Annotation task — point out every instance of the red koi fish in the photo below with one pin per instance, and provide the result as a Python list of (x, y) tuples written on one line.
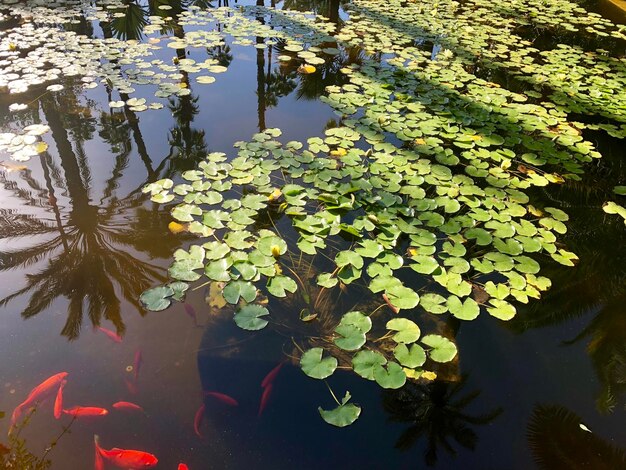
[(111, 334), (137, 362), (58, 403), (182, 466), (127, 406), (228, 400), (271, 376), (133, 459), (197, 420), (191, 312), (265, 398), (42, 391), (86, 411)]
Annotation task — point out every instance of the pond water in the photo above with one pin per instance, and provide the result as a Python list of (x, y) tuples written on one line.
[(530, 383)]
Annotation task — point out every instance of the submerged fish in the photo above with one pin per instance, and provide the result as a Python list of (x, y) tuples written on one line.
[(222, 397), (131, 386), (265, 398), (86, 411), (42, 391), (126, 405), (133, 459), (182, 466), (111, 334), (271, 376), (137, 362), (58, 402), (197, 420), (191, 312)]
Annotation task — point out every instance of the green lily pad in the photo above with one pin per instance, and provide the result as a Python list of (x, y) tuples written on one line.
[(402, 297), (185, 212), (443, 350), (279, 286), (249, 317), (235, 290), (463, 310), (392, 376), (342, 416), (315, 366), (365, 362), (156, 299), (407, 330), (410, 356)]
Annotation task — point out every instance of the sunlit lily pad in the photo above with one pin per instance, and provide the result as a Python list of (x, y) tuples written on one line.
[(250, 316), (315, 366)]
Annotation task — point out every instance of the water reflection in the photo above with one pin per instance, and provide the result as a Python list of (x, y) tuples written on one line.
[(436, 412), (559, 442)]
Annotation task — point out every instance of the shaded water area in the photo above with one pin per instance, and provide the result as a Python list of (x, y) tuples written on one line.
[(80, 242)]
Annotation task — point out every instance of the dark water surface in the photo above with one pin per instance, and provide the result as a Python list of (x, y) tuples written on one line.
[(79, 243)]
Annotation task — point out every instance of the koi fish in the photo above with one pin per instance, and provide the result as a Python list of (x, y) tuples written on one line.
[(265, 398), (58, 403), (182, 466), (86, 411), (197, 420), (137, 362), (131, 386), (133, 459), (42, 391), (111, 334), (269, 378), (126, 405), (230, 401), (191, 312)]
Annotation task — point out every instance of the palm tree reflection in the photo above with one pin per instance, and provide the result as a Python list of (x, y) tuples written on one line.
[(435, 411), (89, 249)]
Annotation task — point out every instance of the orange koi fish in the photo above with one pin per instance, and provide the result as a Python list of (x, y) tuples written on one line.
[(269, 378), (137, 362), (230, 401), (197, 420), (127, 406), (182, 466), (86, 411), (42, 391), (265, 398), (111, 334), (131, 459), (58, 403)]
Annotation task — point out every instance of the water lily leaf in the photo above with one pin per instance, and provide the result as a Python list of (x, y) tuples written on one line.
[(392, 376), (218, 270), (424, 264), (351, 338), (621, 190), (315, 366), (410, 356), (348, 274), (357, 319), (179, 289), (501, 309), (235, 290), (249, 317), (564, 257), (407, 330), (343, 415), (215, 250), (443, 350), (402, 297), (279, 286), (482, 236), (156, 299), (184, 270), (345, 258), (463, 310), (365, 362), (327, 280), (185, 212), (433, 303), (272, 246)]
